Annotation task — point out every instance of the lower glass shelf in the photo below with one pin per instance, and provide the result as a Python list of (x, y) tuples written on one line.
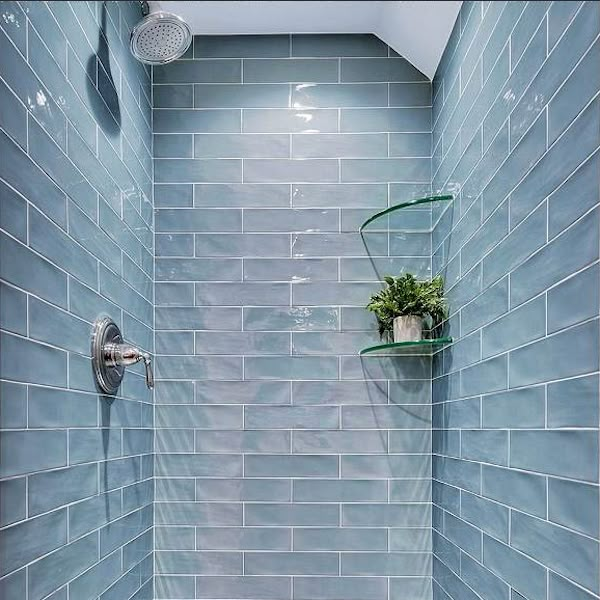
[(426, 347)]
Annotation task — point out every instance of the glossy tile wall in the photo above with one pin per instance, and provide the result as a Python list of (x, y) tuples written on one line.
[(286, 466), (515, 415), (76, 218)]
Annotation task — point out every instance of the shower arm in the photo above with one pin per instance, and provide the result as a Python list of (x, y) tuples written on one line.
[(148, 7)]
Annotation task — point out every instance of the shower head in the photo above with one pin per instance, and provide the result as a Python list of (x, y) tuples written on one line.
[(159, 37)]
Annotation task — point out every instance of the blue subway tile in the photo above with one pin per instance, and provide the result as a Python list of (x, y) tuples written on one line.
[(573, 555), (463, 535), (296, 417), (523, 408), (562, 312), (324, 515), (332, 95), (565, 55), (13, 116), (573, 402), (13, 500), (204, 71), (279, 170), (573, 505), (295, 466), (524, 491), (352, 588), (244, 245), (485, 446), (566, 354), (243, 587), (243, 145), (51, 363), (23, 543), (236, 195), (562, 588), (252, 490), (247, 95), (520, 326), (519, 571), (291, 563), (15, 26), (488, 516), (198, 269), (556, 453), (379, 69), (13, 310), (196, 121), (85, 231), (181, 170), (314, 539), (178, 195), (313, 45), (386, 515), (301, 120), (406, 120), (173, 96), (177, 145), (482, 580), (198, 220), (199, 563), (246, 46), (56, 488), (325, 490), (295, 70), (32, 272), (565, 155)]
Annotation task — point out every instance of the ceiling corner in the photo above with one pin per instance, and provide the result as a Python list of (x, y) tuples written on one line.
[(419, 31)]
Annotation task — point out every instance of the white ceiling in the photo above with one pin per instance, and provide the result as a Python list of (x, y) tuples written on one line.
[(418, 31)]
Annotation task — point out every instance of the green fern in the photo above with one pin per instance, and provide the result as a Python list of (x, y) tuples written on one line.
[(406, 295)]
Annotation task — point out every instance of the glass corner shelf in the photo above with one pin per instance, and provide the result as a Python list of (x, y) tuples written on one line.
[(408, 204), (422, 347)]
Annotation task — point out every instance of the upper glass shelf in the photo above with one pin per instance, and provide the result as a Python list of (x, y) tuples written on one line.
[(404, 205), (423, 347)]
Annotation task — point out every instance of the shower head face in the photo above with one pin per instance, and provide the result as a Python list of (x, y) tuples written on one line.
[(159, 38)]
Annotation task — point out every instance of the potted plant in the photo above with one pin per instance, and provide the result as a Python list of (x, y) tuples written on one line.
[(406, 305)]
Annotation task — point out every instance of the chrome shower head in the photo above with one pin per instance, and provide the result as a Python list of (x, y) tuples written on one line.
[(160, 37)]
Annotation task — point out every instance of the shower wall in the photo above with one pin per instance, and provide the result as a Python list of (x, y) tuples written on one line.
[(285, 464), (76, 241), (515, 415)]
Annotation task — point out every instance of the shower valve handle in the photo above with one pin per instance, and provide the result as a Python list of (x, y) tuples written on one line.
[(111, 354), (123, 355)]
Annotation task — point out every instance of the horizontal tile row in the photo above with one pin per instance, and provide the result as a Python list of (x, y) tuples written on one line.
[(406, 416), (286, 95), (254, 170), (347, 195), (298, 146), (281, 514), (189, 562), (280, 538), (292, 120), (282, 587), (290, 368), (287, 45), (274, 70), (299, 393), (189, 489)]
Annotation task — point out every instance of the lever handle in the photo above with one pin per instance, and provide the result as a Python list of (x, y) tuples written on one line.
[(124, 355), (149, 374)]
